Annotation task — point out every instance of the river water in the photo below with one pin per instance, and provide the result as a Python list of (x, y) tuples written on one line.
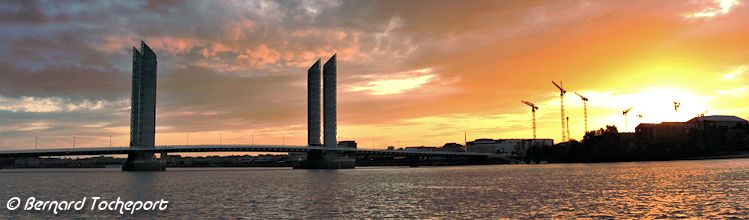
[(675, 189)]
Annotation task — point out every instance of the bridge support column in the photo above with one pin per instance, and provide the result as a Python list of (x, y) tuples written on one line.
[(325, 160), (164, 159), (142, 161)]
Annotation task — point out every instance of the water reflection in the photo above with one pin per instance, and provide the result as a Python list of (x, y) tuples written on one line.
[(702, 189)]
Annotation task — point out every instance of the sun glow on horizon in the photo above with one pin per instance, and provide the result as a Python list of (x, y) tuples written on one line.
[(653, 105)]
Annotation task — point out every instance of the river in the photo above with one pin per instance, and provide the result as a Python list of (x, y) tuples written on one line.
[(673, 189)]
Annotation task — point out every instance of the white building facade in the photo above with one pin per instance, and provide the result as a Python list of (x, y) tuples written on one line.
[(511, 148)]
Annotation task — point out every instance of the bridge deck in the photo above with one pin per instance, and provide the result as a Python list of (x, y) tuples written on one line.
[(221, 148)]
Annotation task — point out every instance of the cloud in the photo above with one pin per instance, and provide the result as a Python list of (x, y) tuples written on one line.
[(240, 66), (260, 56), (722, 7), (737, 72), (399, 83), (20, 11), (42, 105), (739, 91)]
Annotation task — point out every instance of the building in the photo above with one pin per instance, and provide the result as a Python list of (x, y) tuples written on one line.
[(420, 148), (347, 144), (514, 148), (453, 147), (449, 147), (716, 121), (664, 131), (674, 131)]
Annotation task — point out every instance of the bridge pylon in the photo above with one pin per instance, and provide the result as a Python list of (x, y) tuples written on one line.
[(143, 111), (323, 159)]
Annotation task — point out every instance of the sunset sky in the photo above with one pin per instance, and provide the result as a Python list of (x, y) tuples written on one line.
[(409, 72)]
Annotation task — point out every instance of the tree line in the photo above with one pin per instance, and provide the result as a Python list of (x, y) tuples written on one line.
[(608, 145)]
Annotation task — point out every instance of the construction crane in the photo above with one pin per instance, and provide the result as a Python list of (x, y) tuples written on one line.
[(568, 128), (626, 122), (533, 111), (561, 104), (639, 117), (585, 109)]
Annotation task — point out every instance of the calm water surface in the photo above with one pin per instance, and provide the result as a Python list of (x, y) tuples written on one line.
[(709, 189)]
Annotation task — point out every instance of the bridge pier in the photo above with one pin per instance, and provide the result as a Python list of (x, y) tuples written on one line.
[(142, 161), (325, 160)]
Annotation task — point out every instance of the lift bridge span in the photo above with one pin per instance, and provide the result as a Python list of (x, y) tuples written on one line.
[(323, 154), (225, 148)]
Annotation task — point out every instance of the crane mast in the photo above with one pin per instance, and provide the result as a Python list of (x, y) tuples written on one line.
[(533, 112), (626, 122), (561, 105), (585, 109), (568, 128)]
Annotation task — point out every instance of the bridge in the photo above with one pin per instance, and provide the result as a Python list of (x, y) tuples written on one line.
[(223, 148), (325, 154)]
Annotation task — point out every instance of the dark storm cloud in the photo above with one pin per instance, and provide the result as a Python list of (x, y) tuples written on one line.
[(20, 11), (60, 67)]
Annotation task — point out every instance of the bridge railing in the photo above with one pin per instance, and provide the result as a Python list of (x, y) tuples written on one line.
[(224, 148)]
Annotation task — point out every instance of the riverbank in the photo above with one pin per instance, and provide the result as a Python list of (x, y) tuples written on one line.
[(722, 155)]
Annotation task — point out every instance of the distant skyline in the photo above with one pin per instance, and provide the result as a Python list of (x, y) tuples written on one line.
[(409, 72)]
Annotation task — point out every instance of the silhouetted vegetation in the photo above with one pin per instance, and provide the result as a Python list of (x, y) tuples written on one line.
[(608, 145)]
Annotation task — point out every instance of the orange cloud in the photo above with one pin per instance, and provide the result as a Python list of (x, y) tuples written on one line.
[(260, 56), (174, 45)]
